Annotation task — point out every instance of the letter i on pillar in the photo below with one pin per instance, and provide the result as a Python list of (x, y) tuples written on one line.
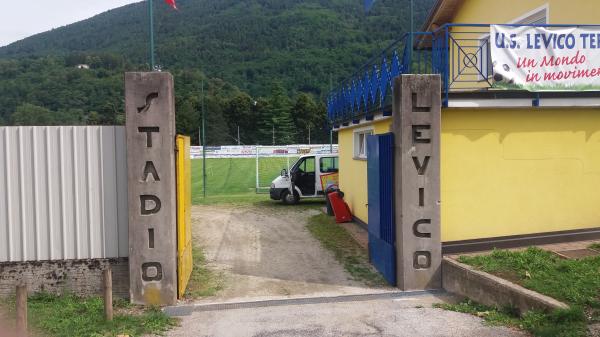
[(150, 131)]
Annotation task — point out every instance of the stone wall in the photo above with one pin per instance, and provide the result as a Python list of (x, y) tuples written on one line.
[(80, 277)]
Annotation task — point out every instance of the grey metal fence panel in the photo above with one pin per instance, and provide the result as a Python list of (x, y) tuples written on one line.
[(63, 193)]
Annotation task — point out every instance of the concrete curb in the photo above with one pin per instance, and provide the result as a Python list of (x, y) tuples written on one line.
[(188, 309), (484, 288)]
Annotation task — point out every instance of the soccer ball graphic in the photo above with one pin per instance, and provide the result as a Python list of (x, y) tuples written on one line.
[(503, 75)]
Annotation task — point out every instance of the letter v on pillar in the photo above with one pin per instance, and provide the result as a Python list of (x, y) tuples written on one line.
[(417, 180), (150, 128)]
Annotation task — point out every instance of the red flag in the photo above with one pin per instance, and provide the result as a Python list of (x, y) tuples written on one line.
[(171, 3)]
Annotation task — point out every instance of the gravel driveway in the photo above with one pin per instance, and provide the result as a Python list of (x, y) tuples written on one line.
[(266, 251)]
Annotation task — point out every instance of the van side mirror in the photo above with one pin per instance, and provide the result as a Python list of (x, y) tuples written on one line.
[(284, 173)]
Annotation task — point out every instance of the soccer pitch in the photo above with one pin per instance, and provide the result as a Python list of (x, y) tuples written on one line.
[(235, 176)]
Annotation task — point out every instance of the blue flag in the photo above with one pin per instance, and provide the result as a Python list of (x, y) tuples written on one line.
[(368, 5)]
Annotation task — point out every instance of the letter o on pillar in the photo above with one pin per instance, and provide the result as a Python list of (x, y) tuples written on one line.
[(152, 271), (422, 260)]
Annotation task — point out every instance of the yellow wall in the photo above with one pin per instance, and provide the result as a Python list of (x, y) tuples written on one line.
[(519, 171), (504, 171), (560, 11), (353, 172)]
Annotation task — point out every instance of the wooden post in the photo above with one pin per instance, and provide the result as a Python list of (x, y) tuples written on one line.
[(108, 302), (21, 303)]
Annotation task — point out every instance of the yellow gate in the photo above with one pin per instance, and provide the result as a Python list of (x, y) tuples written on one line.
[(184, 219)]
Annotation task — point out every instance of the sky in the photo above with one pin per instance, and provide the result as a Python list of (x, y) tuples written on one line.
[(22, 18)]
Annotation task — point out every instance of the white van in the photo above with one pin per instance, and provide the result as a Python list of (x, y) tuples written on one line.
[(308, 178)]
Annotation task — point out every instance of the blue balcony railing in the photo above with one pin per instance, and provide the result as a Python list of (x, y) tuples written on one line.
[(460, 53), (369, 89)]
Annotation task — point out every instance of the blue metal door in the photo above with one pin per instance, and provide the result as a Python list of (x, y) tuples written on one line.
[(382, 233)]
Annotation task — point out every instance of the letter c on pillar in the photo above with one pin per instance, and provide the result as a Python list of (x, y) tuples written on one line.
[(416, 230)]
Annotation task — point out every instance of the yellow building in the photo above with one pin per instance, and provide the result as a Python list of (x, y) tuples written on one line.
[(517, 167)]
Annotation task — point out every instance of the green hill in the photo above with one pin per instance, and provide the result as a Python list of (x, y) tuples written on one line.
[(245, 42), (267, 64)]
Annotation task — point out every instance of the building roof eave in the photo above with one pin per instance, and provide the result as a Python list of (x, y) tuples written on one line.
[(441, 13)]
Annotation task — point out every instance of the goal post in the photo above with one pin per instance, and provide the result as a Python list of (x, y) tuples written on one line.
[(270, 160)]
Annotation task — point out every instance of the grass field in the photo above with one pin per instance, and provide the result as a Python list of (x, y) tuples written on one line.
[(234, 179), (576, 282)]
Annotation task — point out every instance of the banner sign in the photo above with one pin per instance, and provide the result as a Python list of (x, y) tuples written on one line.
[(261, 151), (541, 59)]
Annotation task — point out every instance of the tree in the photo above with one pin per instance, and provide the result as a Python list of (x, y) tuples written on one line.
[(30, 114), (275, 124), (322, 126), (68, 117), (187, 118), (240, 112), (74, 59), (93, 118), (305, 114), (264, 121), (217, 132)]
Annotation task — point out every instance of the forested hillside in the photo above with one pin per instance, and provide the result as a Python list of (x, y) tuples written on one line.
[(50, 91), (283, 54)]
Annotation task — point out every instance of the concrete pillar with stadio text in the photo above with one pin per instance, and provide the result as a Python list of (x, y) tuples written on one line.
[(150, 128)]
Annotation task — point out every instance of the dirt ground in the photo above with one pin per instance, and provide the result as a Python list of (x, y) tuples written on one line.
[(266, 252), (6, 325)]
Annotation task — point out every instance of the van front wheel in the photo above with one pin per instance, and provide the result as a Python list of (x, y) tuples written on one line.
[(289, 198)]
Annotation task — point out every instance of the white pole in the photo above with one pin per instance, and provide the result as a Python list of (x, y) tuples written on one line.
[(238, 135), (257, 181), (273, 134), (331, 141), (309, 135)]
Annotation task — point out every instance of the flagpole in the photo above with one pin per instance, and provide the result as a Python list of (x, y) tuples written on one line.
[(151, 29), (410, 40)]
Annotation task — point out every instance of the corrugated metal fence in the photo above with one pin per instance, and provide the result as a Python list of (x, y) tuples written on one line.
[(63, 193)]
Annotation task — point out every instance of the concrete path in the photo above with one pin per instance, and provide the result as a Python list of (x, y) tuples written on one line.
[(411, 316), (266, 252)]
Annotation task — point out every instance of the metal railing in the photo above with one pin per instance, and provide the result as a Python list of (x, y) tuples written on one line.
[(460, 53), (369, 89)]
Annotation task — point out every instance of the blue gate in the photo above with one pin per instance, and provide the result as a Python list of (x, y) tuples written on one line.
[(382, 233)]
